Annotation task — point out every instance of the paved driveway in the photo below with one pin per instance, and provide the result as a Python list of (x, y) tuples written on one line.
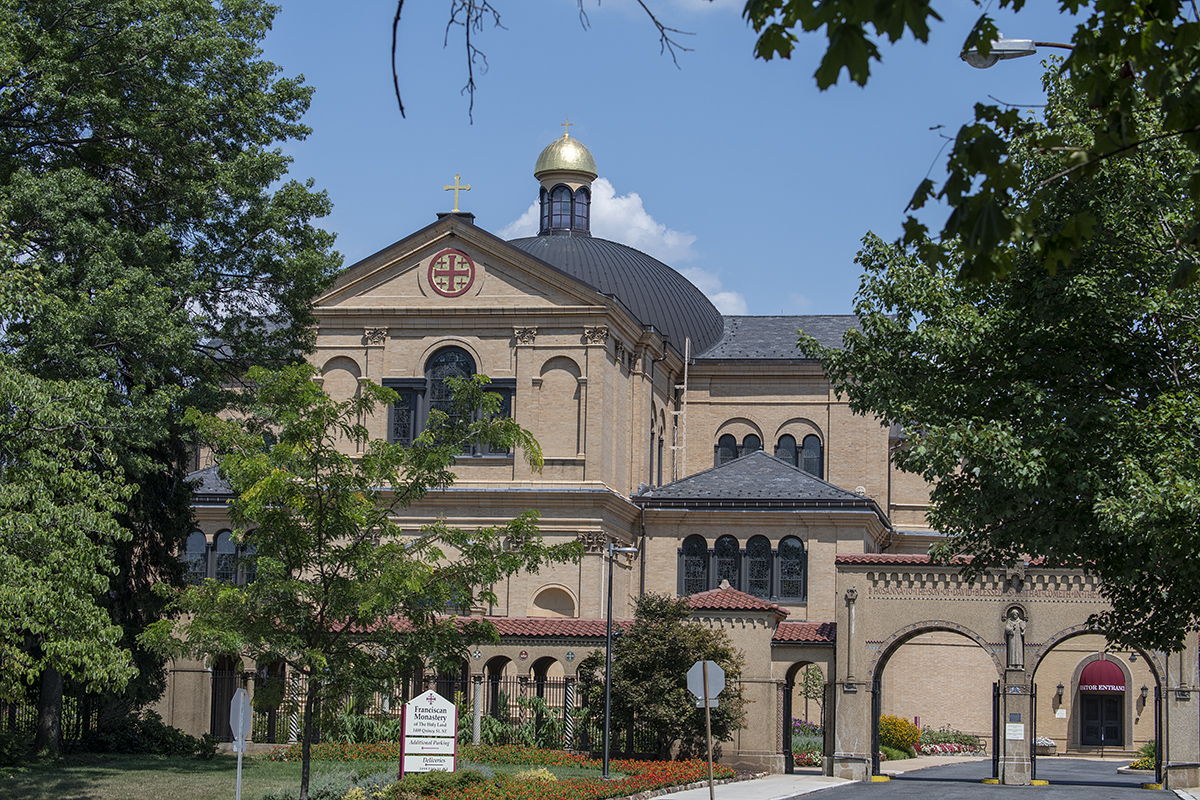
[(1069, 778)]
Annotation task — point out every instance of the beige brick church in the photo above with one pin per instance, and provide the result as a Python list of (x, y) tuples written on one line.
[(706, 442)]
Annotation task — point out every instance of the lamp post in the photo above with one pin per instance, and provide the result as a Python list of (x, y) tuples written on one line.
[(612, 551), (1004, 49)]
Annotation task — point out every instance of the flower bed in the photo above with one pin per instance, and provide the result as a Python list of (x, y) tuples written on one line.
[(642, 776), (945, 749), (812, 758)]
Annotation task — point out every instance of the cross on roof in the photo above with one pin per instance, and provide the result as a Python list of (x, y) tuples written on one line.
[(457, 187), (567, 128)]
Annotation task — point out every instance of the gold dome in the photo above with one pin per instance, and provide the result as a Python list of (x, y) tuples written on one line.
[(565, 154)]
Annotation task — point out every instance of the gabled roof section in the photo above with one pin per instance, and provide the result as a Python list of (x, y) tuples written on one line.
[(726, 598), (775, 337), (208, 484), (757, 480), (805, 633)]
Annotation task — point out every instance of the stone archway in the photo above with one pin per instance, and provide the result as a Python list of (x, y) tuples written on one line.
[(1016, 617)]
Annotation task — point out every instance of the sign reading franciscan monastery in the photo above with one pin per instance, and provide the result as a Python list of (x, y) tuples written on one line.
[(430, 740)]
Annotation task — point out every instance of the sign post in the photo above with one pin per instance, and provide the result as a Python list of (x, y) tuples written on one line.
[(430, 740), (239, 723), (706, 680)]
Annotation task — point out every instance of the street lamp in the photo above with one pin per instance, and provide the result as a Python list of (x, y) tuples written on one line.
[(1004, 49), (608, 651)]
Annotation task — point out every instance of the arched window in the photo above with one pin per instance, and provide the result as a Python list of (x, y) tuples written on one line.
[(792, 569), (728, 557), (452, 362), (248, 564), (418, 396), (560, 208), (196, 557), (758, 567), (813, 464), (694, 575), (751, 443), (579, 220), (226, 566), (726, 449), (544, 199), (785, 450)]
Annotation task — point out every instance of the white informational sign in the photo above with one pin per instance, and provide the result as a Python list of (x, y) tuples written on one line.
[(430, 734), (1014, 731), (1060, 713)]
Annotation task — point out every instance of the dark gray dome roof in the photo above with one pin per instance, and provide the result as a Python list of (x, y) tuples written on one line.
[(653, 292)]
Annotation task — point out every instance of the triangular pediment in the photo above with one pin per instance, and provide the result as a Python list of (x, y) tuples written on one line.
[(455, 265)]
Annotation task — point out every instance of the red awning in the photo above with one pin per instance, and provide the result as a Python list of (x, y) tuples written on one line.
[(1102, 676)]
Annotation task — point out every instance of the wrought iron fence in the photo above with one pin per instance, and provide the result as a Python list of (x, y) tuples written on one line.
[(78, 719)]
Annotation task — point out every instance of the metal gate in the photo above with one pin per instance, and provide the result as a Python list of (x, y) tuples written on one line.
[(1033, 731), (996, 740), (876, 708), (1158, 697), (789, 759)]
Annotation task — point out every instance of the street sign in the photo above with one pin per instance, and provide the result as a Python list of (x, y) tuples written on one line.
[(716, 682), (239, 722), (240, 716)]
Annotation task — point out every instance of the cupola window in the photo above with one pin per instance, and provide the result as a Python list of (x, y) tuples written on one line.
[(564, 210), (579, 216)]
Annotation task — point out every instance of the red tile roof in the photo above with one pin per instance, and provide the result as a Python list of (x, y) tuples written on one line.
[(807, 632), (880, 558), (554, 626), (730, 599)]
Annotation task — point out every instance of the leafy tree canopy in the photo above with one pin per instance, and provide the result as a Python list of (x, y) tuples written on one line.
[(141, 178), (1055, 413), (649, 678), (342, 593)]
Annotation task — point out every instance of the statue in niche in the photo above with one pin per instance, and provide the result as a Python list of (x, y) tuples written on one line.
[(1014, 634)]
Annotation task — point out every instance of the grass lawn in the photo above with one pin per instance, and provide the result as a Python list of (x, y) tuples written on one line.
[(94, 777)]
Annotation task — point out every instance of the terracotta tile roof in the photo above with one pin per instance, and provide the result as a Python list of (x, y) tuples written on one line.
[(880, 558), (806, 632), (554, 626), (729, 599)]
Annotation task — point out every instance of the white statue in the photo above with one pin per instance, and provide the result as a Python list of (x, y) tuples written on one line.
[(1014, 634)]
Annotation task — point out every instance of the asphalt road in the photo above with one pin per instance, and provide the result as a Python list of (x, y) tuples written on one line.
[(1069, 778)]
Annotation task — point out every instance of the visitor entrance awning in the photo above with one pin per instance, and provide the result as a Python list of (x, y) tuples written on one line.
[(1102, 676)]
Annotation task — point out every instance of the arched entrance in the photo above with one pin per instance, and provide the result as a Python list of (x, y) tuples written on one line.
[(1016, 617), (935, 673), (803, 714)]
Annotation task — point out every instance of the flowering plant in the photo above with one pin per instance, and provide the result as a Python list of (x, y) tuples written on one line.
[(1044, 741)]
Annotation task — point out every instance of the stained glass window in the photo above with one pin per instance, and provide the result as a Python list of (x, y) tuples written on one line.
[(751, 443), (813, 463), (758, 566), (786, 449), (695, 565), (196, 557), (226, 557), (727, 560), (403, 423), (792, 569), (726, 449), (449, 363)]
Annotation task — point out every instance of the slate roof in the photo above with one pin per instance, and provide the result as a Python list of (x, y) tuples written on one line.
[(752, 480), (653, 292), (805, 632), (726, 598), (209, 485), (775, 337)]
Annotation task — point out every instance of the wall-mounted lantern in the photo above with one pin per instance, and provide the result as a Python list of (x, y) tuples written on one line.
[(1145, 693), (1060, 692)]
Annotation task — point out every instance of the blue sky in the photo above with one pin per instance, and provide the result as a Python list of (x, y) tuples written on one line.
[(737, 172)]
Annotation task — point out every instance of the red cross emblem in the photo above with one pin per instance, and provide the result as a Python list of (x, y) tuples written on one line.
[(451, 273)]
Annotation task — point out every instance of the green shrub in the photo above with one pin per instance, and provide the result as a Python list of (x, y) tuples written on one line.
[(897, 733), (14, 748), (147, 735), (339, 785), (892, 753), (806, 743), (433, 784)]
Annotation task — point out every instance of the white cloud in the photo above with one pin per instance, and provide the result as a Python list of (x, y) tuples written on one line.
[(726, 301), (623, 218)]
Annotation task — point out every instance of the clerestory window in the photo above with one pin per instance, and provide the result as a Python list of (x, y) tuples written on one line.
[(773, 574)]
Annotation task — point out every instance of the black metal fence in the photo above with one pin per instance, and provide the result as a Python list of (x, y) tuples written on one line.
[(78, 719), (547, 713)]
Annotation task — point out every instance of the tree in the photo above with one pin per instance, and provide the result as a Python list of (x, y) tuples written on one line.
[(649, 678), (1055, 413), (140, 176), (812, 687), (341, 592)]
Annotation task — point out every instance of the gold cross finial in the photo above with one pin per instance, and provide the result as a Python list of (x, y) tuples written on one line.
[(567, 128), (457, 187)]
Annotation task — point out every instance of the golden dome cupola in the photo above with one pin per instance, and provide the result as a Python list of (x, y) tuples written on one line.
[(566, 170)]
